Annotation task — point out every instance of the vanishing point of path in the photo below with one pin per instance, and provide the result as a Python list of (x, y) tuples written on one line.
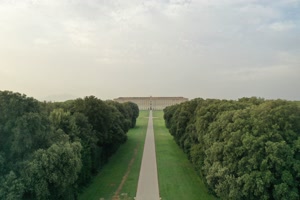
[(148, 182)]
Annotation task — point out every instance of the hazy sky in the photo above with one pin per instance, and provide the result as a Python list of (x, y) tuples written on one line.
[(192, 48)]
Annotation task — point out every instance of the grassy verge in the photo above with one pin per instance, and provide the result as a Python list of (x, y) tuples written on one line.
[(107, 182), (177, 178)]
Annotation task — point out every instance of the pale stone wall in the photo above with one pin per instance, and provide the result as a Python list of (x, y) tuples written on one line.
[(152, 103)]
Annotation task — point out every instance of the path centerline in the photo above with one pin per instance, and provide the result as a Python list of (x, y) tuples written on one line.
[(148, 181)]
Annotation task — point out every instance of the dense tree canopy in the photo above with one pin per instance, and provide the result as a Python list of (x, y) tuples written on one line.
[(245, 149), (51, 150)]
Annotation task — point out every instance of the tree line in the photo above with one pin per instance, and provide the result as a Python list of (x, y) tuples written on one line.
[(52, 150), (244, 149)]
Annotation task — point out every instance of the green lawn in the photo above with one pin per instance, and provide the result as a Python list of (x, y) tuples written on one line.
[(177, 178), (106, 183)]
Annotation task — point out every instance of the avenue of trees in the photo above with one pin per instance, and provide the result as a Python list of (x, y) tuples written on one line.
[(245, 149), (52, 150)]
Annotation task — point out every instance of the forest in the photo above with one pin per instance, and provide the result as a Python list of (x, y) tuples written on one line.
[(52, 150), (242, 149)]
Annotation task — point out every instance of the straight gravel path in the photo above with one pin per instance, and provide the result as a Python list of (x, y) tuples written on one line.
[(148, 181)]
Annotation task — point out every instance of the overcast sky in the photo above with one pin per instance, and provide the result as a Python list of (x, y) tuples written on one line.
[(228, 49)]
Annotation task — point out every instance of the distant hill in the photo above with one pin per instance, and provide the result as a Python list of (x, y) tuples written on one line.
[(59, 97)]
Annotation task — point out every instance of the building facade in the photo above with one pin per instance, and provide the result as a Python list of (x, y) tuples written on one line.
[(152, 103)]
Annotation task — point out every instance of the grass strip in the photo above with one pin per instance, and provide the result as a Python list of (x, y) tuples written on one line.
[(176, 175), (107, 182)]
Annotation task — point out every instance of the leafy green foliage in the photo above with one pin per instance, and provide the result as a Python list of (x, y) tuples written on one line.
[(51, 150), (245, 149), (51, 172), (11, 187)]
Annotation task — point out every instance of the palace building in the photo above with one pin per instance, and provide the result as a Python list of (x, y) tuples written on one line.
[(152, 103)]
